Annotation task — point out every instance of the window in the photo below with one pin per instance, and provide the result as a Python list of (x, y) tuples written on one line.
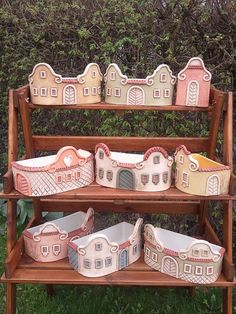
[(154, 257), (98, 263), (117, 92), (68, 177), (101, 154), (108, 91), (166, 93), (43, 74), (86, 91), (94, 91), (187, 268), (35, 91), (165, 177), (156, 93), (100, 173), (185, 179), (56, 249), (112, 76), (195, 252), (98, 246), (87, 264), (155, 178), (43, 92), (205, 253), (144, 178), (99, 90), (147, 251), (156, 159), (198, 270), (59, 179), (109, 175), (163, 78), (93, 74), (181, 159), (108, 261), (135, 249), (53, 92), (45, 250), (209, 270)]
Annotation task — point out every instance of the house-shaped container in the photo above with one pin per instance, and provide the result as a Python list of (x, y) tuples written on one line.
[(199, 175), (48, 242), (50, 88), (106, 251), (193, 86), (143, 172), (182, 256), (67, 170), (154, 90)]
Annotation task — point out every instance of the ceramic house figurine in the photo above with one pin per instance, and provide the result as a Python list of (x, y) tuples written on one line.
[(198, 175), (106, 251), (193, 86), (48, 242), (181, 256), (49, 88), (148, 172), (67, 170), (154, 90)]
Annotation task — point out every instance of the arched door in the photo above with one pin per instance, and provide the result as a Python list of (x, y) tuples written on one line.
[(22, 184), (125, 179), (69, 95), (213, 185), (135, 96), (169, 266), (123, 259), (192, 94)]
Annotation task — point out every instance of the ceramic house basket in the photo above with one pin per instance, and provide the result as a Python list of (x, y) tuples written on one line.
[(199, 175), (182, 256), (106, 251), (48, 242), (50, 88), (143, 172), (154, 90), (67, 170)]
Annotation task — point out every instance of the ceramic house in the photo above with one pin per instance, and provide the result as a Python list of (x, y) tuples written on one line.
[(67, 170), (199, 175), (182, 256), (106, 251), (154, 90), (193, 86), (143, 172), (48, 242), (50, 88)]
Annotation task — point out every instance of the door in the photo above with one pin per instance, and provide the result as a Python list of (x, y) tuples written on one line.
[(192, 94), (125, 179), (213, 185), (69, 95), (22, 184), (135, 96), (123, 259), (169, 266)]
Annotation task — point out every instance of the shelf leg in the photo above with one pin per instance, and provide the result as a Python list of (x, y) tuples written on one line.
[(50, 290), (202, 217), (11, 298), (228, 300)]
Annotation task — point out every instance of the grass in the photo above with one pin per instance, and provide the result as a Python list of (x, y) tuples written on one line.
[(33, 299)]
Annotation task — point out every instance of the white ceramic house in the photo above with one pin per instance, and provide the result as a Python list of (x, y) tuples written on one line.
[(67, 170), (182, 256), (143, 172), (48, 242), (199, 175), (50, 88), (154, 90), (106, 251), (193, 86)]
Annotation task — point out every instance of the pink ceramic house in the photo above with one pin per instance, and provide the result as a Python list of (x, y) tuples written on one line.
[(48, 242), (193, 86)]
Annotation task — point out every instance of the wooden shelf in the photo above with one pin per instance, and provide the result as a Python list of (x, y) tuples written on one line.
[(60, 272)]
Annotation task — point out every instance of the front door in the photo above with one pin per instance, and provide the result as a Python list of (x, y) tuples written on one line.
[(192, 94), (125, 179), (69, 95), (135, 96), (169, 266), (22, 184), (213, 185), (123, 259)]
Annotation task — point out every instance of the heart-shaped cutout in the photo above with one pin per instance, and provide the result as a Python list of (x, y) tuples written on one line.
[(68, 160)]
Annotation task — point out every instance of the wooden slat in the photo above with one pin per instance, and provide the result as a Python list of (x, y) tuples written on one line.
[(210, 234), (12, 129), (11, 225), (128, 144), (228, 228), (11, 298), (8, 181), (228, 132), (228, 268), (228, 300)]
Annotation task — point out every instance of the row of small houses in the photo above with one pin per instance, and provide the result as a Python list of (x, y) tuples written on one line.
[(193, 88)]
